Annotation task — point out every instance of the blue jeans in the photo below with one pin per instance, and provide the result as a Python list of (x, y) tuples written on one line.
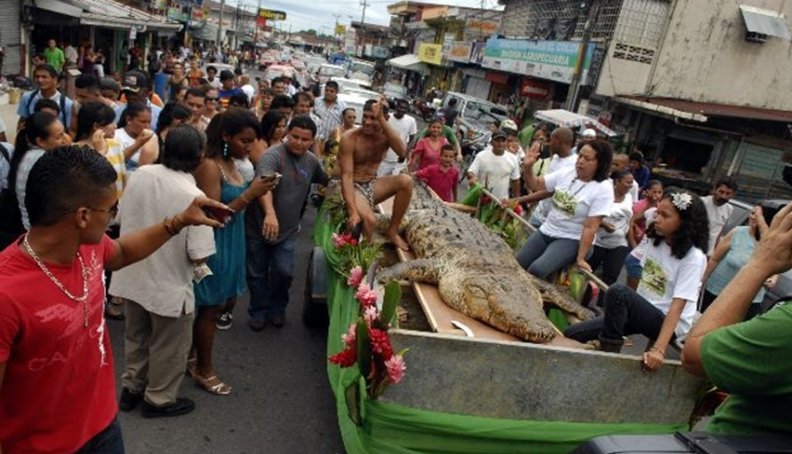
[(270, 271), (626, 313), (543, 255), (108, 441)]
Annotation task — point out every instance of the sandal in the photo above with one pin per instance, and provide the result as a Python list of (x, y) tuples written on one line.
[(192, 364), (213, 385)]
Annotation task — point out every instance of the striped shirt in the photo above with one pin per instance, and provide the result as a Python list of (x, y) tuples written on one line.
[(329, 117)]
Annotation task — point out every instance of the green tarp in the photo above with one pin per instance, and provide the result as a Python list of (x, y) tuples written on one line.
[(394, 429)]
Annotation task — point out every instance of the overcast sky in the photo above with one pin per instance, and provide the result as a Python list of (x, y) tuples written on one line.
[(316, 14)]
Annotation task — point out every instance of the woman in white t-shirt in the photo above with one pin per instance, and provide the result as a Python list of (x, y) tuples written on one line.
[(663, 308), (581, 200), (610, 246), (140, 144)]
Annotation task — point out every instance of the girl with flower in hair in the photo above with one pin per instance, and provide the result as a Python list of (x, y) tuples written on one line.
[(663, 307)]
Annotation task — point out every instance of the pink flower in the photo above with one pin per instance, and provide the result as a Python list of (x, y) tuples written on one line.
[(355, 277), (370, 314), (366, 296), (396, 368), (345, 239), (350, 337)]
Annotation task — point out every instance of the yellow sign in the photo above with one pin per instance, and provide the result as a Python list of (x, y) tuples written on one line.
[(340, 30), (269, 14), (430, 53)]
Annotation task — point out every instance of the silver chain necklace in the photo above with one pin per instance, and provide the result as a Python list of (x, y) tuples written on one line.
[(79, 299)]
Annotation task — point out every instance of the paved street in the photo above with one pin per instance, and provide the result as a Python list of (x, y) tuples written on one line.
[(281, 401)]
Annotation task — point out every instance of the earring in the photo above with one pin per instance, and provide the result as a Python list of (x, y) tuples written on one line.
[(225, 149)]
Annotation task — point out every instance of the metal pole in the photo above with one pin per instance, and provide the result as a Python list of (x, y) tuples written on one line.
[(220, 24), (592, 10)]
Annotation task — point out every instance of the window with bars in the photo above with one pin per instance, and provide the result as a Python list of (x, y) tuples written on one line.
[(558, 19), (633, 53)]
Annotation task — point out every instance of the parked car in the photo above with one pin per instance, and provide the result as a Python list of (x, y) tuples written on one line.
[(327, 71), (275, 71), (267, 59), (361, 70), (394, 92), (476, 114), (356, 101)]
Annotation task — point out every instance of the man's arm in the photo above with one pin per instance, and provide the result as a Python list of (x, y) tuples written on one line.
[(346, 163), (395, 141), (717, 255), (138, 245), (533, 182)]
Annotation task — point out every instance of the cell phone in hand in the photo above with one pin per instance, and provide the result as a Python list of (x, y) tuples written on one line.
[(223, 215), (271, 175)]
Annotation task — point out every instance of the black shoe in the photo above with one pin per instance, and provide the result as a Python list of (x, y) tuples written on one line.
[(317, 200), (256, 324), (182, 406), (278, 321), (129, 400)]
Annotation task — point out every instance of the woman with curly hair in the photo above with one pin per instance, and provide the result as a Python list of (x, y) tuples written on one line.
[(663, 307)]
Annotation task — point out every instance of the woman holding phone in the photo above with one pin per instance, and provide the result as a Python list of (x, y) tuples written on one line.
[(230, 135)]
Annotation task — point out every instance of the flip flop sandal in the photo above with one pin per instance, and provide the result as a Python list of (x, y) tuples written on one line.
[(213, 385)]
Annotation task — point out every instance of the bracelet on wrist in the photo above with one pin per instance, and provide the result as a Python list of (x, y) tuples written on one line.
[(244, 199), (658, 350), (170, 225)]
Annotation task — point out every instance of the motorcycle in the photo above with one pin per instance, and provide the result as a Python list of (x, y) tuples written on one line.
[(424, 110)]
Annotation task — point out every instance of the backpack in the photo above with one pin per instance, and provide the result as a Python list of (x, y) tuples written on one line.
[(62, 106), (10, 214)]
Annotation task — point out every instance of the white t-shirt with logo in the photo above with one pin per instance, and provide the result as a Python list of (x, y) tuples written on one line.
[(406, 127), (574, 201), (718, 216), (556, 163), (496, 172), (619, 218), (666, 277)]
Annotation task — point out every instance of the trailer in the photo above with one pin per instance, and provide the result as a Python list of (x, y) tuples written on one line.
[(472, 389)]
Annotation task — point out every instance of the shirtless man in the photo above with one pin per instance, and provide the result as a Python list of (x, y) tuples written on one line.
[(362, 151)]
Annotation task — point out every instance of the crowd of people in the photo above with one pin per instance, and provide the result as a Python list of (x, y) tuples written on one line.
[(119, 204)]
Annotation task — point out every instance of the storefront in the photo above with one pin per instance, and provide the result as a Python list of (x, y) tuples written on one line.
[(11, 61)]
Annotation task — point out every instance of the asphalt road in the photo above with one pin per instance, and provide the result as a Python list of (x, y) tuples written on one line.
[(281, 401)]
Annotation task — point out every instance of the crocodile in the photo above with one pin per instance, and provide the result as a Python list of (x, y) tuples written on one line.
[(475, 271)]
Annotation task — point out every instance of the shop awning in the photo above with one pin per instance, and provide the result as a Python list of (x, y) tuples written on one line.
[(701, 111), (57, 6), (409, 62), (765, 22), (113, 14), (569, 119), (207, 33)]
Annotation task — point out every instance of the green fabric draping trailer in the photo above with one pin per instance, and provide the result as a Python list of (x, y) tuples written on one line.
[(462, 395)]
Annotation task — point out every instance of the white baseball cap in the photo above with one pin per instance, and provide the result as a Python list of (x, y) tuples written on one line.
[(589, 133)]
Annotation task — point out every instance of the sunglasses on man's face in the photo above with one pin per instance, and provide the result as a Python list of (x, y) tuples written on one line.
[(208, 99)]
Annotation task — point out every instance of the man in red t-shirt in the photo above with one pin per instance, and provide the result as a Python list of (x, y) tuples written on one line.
[(442, 177), (57, 391)]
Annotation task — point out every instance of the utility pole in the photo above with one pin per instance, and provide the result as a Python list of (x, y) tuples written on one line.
[(220, 25), (591, 11)]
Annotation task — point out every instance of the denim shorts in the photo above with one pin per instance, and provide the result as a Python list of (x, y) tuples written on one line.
[(633, 267)]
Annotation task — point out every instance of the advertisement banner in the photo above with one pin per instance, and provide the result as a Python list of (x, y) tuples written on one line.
[(552, 60), (484, 27), (535, 89), (430, 53), (268, 14), (458, 51)]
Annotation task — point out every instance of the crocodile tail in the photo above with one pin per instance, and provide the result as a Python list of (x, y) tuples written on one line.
[(418, 270)]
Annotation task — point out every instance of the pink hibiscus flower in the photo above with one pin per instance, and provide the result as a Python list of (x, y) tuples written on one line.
[(396, 368), (355, 277), (366, 296)]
